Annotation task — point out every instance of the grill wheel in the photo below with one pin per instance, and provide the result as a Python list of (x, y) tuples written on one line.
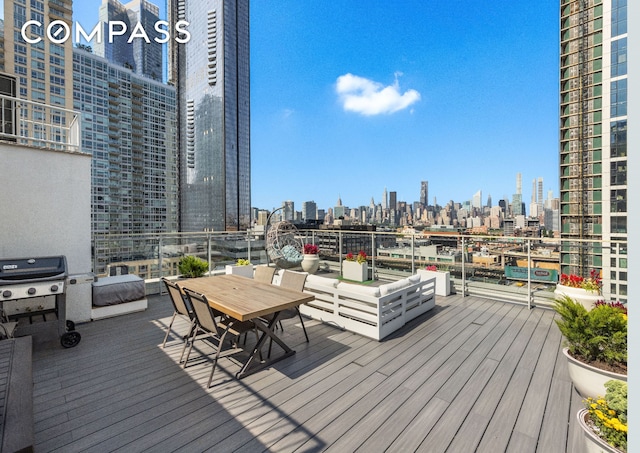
[(70, 339)]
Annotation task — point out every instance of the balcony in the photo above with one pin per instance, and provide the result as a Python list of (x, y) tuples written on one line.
[(39, 126), (471, 375)]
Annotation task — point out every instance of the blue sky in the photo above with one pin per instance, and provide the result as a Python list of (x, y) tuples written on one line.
[(349, 97)]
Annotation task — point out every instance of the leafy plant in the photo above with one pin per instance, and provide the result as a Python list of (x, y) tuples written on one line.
[(599, 335), (310, 249), (608, 415), (191, 266), (360, 258), (593, 283), (242, 262)]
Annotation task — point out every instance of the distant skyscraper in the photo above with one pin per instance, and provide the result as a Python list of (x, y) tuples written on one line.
[(489, 201), (385, 200), (211, 72), (593, 140), (516, 203), (143, 58), (309, 210), (393, 200), (477, 200), (424, 193), (288, 211)]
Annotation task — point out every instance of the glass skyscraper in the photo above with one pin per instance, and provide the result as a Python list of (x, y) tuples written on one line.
[(141, 57), (593, 140), (211, 73)]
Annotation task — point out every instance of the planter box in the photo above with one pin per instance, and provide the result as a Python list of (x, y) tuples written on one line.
[(589, 380), (592, 442), (352, 270), (243, 271), (586, 298), (443, 285)]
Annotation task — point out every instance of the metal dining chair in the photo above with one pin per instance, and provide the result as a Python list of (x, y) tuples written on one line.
[(181, 309), (264, 273), (295, 281), (216, 330)]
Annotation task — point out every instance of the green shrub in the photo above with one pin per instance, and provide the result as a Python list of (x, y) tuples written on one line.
[(599, 335), (192, 266)]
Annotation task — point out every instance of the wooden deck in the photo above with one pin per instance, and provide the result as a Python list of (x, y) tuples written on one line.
[(470, 375)]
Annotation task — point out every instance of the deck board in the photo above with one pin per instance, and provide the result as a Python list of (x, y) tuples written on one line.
[(471, 375)]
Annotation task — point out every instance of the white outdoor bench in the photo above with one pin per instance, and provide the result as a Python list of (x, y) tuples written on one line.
[(374, 312)]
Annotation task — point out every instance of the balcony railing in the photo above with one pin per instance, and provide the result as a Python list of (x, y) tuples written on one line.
[(39, 125), (523, 270)]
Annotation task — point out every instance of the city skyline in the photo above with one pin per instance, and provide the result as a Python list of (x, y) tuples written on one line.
[(363, 98)]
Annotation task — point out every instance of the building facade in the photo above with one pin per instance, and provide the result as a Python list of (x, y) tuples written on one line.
[(129, 126), (211, 73), (43, 69), (143, 58), (593, 140)]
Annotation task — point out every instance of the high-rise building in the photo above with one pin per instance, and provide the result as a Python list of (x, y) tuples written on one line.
[(477, 200), (309, 210), (424, 193), (43, 69), (129, 126), (593, 140), (211, 73), (142, 57)]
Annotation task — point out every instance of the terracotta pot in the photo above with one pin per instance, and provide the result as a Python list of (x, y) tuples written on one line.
[(592, 442), (589, 380), (586, 298)]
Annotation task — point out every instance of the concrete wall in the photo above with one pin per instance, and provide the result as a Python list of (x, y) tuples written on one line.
[(45, 209)]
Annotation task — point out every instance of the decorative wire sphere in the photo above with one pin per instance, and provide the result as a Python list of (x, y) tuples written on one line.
[(284, 246)]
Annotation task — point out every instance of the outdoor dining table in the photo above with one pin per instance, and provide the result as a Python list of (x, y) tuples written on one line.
[(246, 299)]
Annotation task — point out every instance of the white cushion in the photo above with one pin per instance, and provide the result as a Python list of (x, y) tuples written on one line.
[(372, 291), (322, 281), (414, 279), (394, 286)]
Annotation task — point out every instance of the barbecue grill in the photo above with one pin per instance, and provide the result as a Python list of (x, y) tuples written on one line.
[(22, 280)]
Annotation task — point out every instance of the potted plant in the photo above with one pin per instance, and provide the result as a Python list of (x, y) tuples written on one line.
[(583, 290), (604, 420), (310, 261), (242, 267), (191, 266), (355, 267), (443, 286), (596, 343)]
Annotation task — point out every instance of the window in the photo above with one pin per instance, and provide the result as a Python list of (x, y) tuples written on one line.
[(619, 57), (619, 225), (618, 17), (619, 200), (619, 173), (619, 98), (619, 138)]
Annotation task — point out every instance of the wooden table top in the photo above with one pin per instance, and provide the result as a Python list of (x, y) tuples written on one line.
[(244, 298)]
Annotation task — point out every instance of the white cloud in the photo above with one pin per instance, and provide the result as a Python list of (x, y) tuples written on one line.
[(367, 97)]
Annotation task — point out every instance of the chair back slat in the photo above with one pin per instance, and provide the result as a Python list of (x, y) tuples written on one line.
[(264, 274), (202, 311), (293, 280), (176, 298)]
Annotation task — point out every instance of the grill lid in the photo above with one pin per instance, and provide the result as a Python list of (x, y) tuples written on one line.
[(15, 270)]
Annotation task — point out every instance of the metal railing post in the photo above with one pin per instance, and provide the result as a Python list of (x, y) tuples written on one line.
[(340, 251), (413, 253), (209, 251), (373, 255), (529, 295), (464, 275)]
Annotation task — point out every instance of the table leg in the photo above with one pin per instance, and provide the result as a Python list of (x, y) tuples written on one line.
[(267, 332)]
